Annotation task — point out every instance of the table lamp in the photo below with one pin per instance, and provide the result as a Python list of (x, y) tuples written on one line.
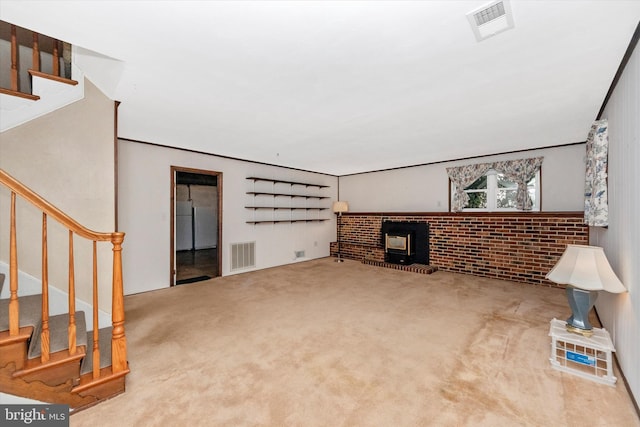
[(585, 271)]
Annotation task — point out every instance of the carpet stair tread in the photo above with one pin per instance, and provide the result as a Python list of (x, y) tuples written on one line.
[(58, 334), (104, 338), (30, 307)]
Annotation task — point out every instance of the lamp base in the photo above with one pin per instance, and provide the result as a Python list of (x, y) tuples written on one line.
[(338, 259), (584, 332), (581, 303)]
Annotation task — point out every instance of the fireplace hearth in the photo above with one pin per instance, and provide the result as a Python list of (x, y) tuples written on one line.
[(405, 242)]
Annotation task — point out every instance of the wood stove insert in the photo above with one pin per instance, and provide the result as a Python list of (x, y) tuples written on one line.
[(405, 242)]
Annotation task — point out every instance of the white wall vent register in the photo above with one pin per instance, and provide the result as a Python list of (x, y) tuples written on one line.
[(243, 255)]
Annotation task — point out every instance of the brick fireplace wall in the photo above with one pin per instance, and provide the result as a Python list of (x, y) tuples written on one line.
[(516, 246)]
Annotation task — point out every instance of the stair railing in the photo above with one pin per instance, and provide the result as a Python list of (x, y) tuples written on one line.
[(35, 62), (118, 339)]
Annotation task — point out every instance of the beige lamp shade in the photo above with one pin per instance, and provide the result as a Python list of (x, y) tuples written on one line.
[(340, 206), (587, 268)]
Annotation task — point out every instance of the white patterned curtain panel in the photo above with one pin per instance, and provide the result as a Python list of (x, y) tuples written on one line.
[(596, 207), (462, 177), (519, 171)]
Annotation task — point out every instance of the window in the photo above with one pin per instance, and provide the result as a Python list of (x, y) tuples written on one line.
[(501, 185), (493, 191)]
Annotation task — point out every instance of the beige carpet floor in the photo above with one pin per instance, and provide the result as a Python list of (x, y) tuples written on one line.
[(320, 343)]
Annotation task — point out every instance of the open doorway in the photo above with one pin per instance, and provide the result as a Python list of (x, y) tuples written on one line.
[(196, 225)]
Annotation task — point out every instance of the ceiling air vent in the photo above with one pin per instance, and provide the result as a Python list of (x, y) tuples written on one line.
[(491, 19)]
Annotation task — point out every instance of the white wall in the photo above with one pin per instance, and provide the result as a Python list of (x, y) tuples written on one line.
[(144, 213), (66, 156), (426, 188), (620, 313)]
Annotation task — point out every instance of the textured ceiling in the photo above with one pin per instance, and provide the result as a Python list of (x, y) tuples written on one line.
[(345, 86)]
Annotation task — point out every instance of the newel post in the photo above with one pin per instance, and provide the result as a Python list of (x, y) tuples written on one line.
[(118, 339)]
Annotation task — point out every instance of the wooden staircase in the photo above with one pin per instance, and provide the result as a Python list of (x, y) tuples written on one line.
[(52, 358)]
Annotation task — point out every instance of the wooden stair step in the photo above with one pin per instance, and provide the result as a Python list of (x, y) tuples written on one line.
[(53, 77), (13, 348), (61, 367), (19, 94), (27, 386), (104, 339), (109, 384), (58, 334), (30, 311)]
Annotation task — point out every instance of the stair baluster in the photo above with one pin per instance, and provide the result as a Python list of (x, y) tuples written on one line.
[(56, 59), (14, 59), (35, 63), (14, 311), (72, 299), (96, 339), (44, 340)]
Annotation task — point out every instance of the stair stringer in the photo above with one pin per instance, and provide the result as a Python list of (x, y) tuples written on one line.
[(15, 111), (61, 393), (60, 381)]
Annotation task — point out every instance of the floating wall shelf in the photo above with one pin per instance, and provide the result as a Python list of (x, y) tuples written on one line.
[(277, 181), (306, 196), (285, 208), (286, 220), (277, 193)]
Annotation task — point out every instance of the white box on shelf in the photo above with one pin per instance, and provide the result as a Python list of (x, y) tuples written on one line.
[(586, 357)]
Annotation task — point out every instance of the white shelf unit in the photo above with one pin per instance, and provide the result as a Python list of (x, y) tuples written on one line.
[(286, 201), (587, 357)]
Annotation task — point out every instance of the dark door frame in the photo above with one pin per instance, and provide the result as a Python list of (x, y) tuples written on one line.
[(218, 175)]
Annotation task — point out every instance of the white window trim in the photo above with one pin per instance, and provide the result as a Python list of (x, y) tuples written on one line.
[(492, 189)]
